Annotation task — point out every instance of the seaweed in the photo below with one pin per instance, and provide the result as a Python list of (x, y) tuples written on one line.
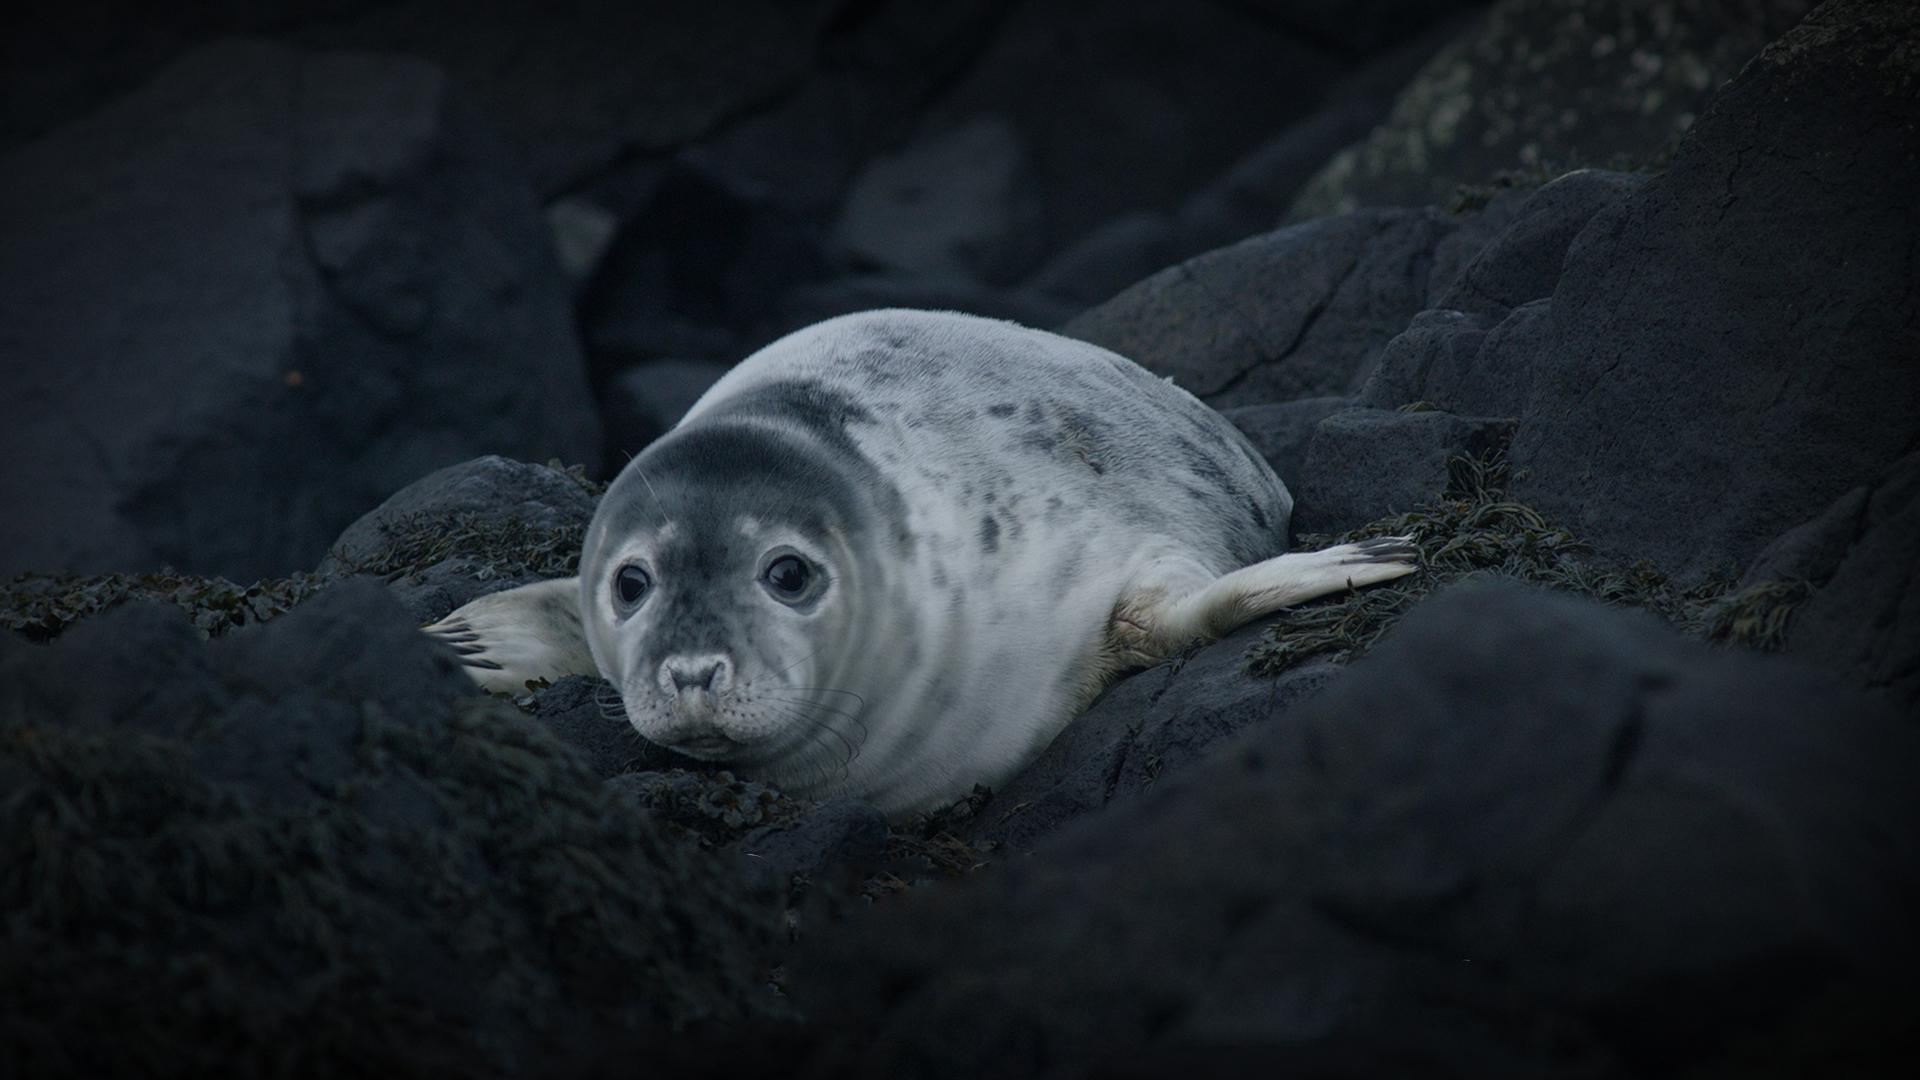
[(1475, 527), (42, 606)]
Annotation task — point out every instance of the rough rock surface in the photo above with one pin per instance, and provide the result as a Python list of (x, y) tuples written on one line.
[(1283, 431), (467, 530), (1863, 622), (310, 845), (1364, 464), (1299, 312), (1157, 721), (963, 202), (1704, 375), (242, 305), (1549, 85), (1526, 832)]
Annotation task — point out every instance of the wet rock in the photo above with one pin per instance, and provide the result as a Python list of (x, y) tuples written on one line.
[(960, 202), (845, 833), (1718, 374), (1254, 195), (1282, 432), (697, 272), (1300, 312), (583, 712), (467, 530), (1542, 86), (1523, 813), (263, 292), (1863, 623), (1123, 107), (1148, 726), (1108, 259), (1364, 464), (329, 849), (642, 403), (864, 292)]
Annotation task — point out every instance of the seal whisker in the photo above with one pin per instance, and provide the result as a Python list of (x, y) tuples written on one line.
[(853, 716)]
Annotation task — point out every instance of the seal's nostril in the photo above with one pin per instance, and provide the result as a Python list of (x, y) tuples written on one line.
[(710, 673)]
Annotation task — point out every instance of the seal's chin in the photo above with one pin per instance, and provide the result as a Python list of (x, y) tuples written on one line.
[(706, 747)]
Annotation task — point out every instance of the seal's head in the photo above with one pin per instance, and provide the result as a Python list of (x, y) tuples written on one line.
[(720, 591)]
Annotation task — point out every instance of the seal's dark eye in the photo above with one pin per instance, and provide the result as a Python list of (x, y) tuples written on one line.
[(630, 583), (787, 576)]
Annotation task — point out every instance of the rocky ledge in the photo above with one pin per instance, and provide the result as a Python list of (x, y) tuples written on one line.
[(1620, 784)]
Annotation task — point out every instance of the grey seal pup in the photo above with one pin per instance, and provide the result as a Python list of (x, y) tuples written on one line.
[(892, 554)]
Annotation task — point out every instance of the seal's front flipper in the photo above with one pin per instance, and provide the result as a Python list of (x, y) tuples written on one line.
[(508, 638), (1160, 620)]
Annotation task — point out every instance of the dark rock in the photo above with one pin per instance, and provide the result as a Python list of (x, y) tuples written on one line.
[(876, 67), (1300, 312), (1718, 373), (1527, 832), (1703, 376), (334, 852), (255, 297), (958, 203), (577, 88), (1523, 262), (1283, 431), (842, 296), (1254, 195), (1364, 464), (839, 833), (413, 539), (642, 403), (1124, 107), (1544, 86), (697, 272), (584, 712), (1355, 27), (1149, 725), (1863, 624), (1108, 259), (1811, 551), (1475, 353)]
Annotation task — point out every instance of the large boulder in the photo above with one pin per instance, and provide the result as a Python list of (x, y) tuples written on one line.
[(244, 304), (1709, 370), (1303, 311), (467, 530), (1548, 85), (310, 848), (1527, 835), (1860, 556), (1124, 107), (1149, 725)]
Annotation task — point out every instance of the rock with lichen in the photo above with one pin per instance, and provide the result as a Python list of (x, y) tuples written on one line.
[(1544, 86)]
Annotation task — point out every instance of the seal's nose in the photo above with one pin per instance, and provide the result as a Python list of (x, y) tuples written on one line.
[(711, 673)]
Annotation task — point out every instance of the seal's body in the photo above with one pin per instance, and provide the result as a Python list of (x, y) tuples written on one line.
[(893, 554)]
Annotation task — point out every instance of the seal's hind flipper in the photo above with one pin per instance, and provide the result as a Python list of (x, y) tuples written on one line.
[(1162, 618), (508, 638)]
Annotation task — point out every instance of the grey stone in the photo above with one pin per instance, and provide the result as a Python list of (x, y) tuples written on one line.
[(1364, 464), (487, 491), (251, 299), (1542, 86), (1152, 724), (1282, 431), (1300, 312), (1521, 813), (1863, 623), (958, 203), (643, 402), (840, 833)]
